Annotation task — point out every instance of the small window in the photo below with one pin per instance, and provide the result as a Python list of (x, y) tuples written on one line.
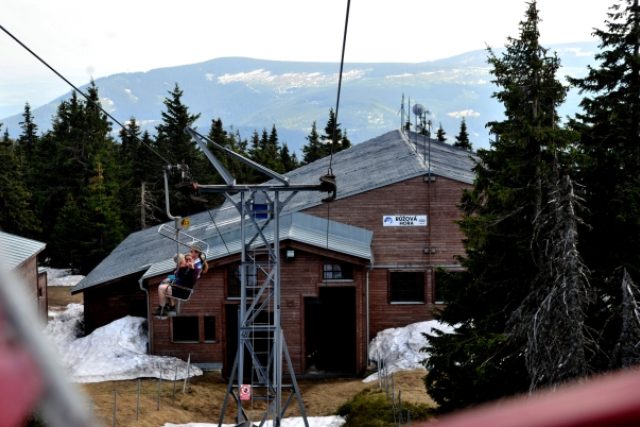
[(444, 284), (337, 271), (254, 274), (209, 328), (233, 281), (406, 286), (186, 329)]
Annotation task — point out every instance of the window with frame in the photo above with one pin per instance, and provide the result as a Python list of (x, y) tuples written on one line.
[(443, 283), (406, 286), (337, 271), (254, 276), (209, 328), (186, 329), (233, 281)]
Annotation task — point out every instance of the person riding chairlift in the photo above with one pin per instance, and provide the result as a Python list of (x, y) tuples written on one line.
[(179, 285)]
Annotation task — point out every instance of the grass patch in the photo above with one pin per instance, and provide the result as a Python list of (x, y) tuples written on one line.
[(373, 408)]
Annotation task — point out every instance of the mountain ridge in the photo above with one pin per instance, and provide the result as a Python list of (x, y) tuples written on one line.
[(250, 94)]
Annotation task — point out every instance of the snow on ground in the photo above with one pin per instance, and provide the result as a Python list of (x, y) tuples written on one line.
[(398, 349), (61, 277), (117, 351)]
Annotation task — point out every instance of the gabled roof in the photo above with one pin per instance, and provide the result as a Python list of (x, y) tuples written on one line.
[(16, 250), (388, 159), (385, 160)]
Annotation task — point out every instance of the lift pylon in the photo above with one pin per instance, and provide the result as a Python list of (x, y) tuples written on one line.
[(257, 372)]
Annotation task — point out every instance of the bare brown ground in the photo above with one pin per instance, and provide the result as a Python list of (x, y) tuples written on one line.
[(59, 296), (202, 399)]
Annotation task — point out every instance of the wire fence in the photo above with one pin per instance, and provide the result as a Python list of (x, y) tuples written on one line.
[(386, 383), (133, 401)]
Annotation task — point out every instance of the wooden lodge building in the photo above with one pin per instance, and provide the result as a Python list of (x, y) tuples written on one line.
[(20, 255), (350, 268)]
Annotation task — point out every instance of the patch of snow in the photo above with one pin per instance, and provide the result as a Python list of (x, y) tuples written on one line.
[(399, 349), (62, 277), (116, 351)]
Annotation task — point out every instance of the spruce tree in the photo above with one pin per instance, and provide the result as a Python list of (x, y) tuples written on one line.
[(610, 169), (231, 141), (66, 241), (289, 160), (176, 146), (173, 143), (264, 151), (273, 151), (333, 138), (626, 351), (29, 136), (78, 142), (102, 203), (441, 135), (313, 150), (332, 141), (484, 359), (45, 184), (462, 138), (139, 181), (16, 212), (551, 320)]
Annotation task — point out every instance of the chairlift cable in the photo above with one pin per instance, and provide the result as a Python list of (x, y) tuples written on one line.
[(335, 126), (78, 90)]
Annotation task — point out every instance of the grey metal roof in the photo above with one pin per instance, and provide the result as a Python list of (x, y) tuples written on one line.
[(299, 227), (150, 253), (385, 160), (15, 249)]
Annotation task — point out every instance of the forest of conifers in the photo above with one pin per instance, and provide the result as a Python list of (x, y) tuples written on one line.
[(81, 190)]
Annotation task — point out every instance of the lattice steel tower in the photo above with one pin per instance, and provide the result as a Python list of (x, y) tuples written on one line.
[(262, 354)]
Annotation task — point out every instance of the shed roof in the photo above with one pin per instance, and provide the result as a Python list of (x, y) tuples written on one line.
[(150, 253), (16, 250), (299, 227), (388, 159)]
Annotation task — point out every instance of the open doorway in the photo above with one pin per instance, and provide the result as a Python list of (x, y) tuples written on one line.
[(330, 331)]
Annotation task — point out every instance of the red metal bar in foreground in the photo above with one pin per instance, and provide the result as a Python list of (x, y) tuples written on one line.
[(611, 400)]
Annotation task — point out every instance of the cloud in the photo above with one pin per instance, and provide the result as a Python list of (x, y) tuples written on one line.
[(463, 113)]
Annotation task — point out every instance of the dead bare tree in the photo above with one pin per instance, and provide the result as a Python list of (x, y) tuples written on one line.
[(551, 319), (627, 349), (147, 206)]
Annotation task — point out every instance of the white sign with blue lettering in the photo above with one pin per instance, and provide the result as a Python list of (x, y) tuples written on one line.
[(404, 220)]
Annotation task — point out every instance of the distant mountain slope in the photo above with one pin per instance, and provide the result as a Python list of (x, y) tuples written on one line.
[(250, 94)]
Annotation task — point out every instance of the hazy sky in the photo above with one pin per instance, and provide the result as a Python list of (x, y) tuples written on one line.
[(86, 38)]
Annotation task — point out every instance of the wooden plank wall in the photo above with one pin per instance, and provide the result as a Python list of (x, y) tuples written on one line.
[(104, 304), (404, 248), (300, 278)]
